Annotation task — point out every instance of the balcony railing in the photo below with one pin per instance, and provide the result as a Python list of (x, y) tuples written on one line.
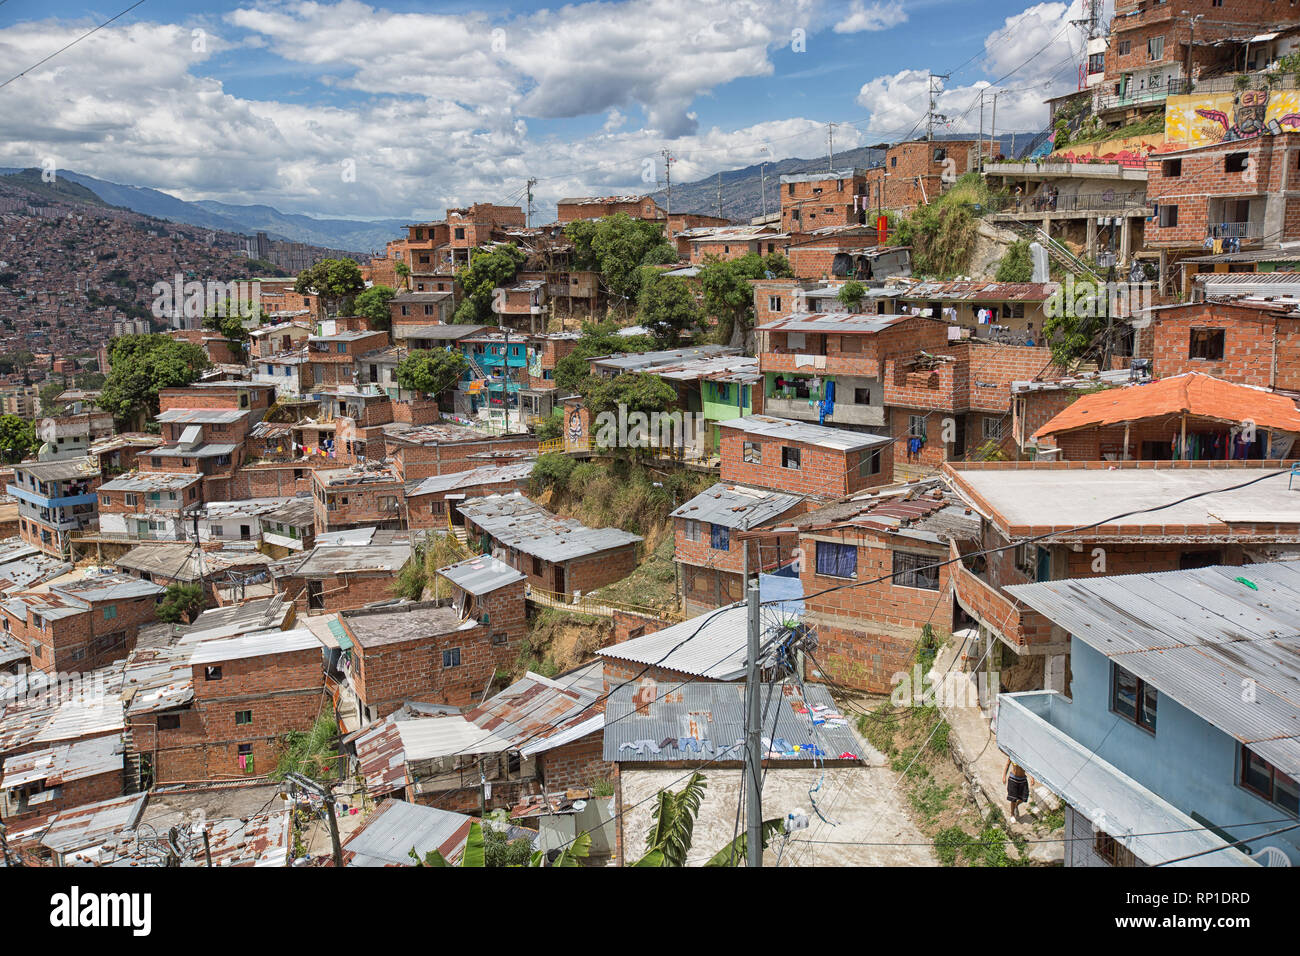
[(1132, 203), (1236, 230), (1110, 101)]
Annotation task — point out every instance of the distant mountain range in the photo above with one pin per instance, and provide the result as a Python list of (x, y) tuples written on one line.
[(345, 234), (742, 189)]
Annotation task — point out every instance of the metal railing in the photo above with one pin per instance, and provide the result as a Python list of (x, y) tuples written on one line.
[(597, 606), (1236, 230), (1088, 203)]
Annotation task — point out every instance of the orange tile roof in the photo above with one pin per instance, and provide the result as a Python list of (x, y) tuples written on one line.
[(1202, 396)]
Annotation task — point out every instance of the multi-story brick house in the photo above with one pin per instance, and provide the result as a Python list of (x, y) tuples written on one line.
[(802, 458), (1047, 501), (954, 402), (1235, 194), (1183, 417), (55, 499), (598, 207), (414, 310), (435, 502), (277, 297), (558, 555), (219, 708), (524, 305), (917, 172), (268, 340), (1250, 343), (811, 201), (1014, 309), (80, 623), (368, 495), (730, 242), (710, 555), (547, 350), (830, 367), (149, 504), (848, 253), (442, 652)]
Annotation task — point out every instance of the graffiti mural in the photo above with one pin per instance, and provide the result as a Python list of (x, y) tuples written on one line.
[(1201, 119)]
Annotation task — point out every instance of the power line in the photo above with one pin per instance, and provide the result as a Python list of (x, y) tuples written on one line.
[(72, 44)]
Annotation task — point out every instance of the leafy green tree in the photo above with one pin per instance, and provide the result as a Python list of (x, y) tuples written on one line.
[(17, 438), (728, 295), (228, 323), (668, 842), (334, 281), (668, 309), (431, 371), (311, 753), (851, 294), (1076, 319), (551, 470), (488, 269), (1016, 264), (373, 305), (141, 365), (181, 602), (403, 274), (617, 246), (598, 338), (50, 393), (89, 380)]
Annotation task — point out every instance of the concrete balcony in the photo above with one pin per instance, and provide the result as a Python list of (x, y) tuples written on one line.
[(844, 414), (1035, 730), (1235, 230)]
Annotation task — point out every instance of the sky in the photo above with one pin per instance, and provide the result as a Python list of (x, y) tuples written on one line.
[(360, 110)]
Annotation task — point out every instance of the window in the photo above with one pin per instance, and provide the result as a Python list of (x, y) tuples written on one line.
[(460, 232), (1125, 46), (1206, 344), (752, 452), (1132, 698), (110, 612), (130, 500), (837, 560), (217, 531), (719, 538), (1097, 63), (37, 649), (169, 721), (500, 637), (451, 657), (692, 530), (869, 464), (243, 717), (1263, 779), (893, 161), (212, 672), (244, 757), (916, 426), (940, 154), (1111, 850), (105, 500), (1235, 162), (1168, 216), (537, 566), (862, 396), (789, 457), (992, 429), (916, 571), (1155, 48)]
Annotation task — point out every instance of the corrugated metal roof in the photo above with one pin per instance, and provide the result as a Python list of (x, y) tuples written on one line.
[(735, 506), (83, 826), (806, 432), (486, 475), (203, 416), (481, 575), (516, 522), (254, 645), (712, 645), (328, 561), (398, 827), (381, 756), (833, 322), (434, 737), (1196, 636), (538, 714), (64, 763), (807, 727)]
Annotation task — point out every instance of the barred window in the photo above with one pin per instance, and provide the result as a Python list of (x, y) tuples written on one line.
[(916, 571)]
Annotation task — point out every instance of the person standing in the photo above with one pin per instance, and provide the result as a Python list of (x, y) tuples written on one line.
[(1017, 781)]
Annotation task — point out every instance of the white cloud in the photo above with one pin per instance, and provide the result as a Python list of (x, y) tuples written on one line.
[(879, 15)]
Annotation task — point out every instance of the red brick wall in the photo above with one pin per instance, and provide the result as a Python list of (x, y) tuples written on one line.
[(1249, 352), (575, 765), (417, 462), (822, 473)]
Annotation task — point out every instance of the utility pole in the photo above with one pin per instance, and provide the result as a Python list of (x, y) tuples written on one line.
[(993, 127), (668, 176), (753, 756), (1191, 39), (298, 780), (830, 147), (528, 221), (719, 194), (933, 101), (505, 380)]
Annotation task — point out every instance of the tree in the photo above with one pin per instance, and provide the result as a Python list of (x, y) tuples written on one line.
[(181, 602), (431, 371), (227, 322), (141, 365), (50, 393), (403, 272), (373, 305), (17, 438), (598, 338), (312, 752), (851, 294), (617, 246), (1076, 318), (728, 295), (480, 852), (667, 308), (488, 269), (334, 281), (1016, 265)]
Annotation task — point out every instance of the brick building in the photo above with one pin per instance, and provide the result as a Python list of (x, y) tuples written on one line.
[(55, 499), (917, 172), (1250, 343), (217, 708), (803, 459), (420, 452), (830, 367), (434, 502), (1047, 500), (336, 577), (709, 552), (811, 201), (598, 207), (149, 504), (368, 495), (80, 622), (43, 782), (558, 555)]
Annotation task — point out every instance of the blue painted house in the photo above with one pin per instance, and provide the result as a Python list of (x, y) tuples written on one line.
[(1177, 740)]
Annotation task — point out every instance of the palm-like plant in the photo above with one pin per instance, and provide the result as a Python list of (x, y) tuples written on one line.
[(669, 839)]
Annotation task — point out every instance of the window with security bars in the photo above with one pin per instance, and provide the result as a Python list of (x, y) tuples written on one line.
[(916, 571)]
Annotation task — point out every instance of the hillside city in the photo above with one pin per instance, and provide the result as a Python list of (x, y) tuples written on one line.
[(942, 513)]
